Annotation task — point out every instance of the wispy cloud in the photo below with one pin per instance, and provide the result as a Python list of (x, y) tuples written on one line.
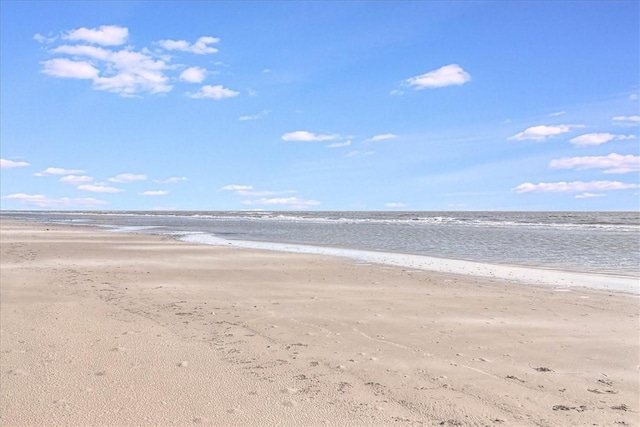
[(42, 201), (128, 177), (573, 187), (338, 144), (248, 190), (627, 120), (290, 202), (588, 195), (213, 92), (153, 193), (75, 179), (613, 163), (98, 188), (360, 153), (448, 75), (171, 180), (306, 136), (254, 116), (59, 171), (395, 205), (557, 113), (202, 46), (382, 137), (591, 139), (542, 132), (8, 164), (235, 187)]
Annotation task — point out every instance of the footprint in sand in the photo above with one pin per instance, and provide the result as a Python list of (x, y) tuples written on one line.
[(289, 403)]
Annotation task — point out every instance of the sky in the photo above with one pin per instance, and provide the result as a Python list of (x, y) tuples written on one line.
[(320, 105)]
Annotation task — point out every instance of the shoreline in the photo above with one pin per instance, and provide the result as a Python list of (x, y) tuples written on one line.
[(515, 273), (106, 328)]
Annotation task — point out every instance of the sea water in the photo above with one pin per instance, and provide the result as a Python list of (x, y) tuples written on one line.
[(593, 242)]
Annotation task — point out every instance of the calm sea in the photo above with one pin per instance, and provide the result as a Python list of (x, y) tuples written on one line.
[(600, 242)]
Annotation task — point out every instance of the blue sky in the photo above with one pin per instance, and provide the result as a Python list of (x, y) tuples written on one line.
[(320, 105)]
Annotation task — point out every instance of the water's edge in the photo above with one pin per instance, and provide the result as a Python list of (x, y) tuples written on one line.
[(516, 274)]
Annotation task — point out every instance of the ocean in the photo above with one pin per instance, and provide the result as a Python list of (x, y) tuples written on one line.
[(588, 242)]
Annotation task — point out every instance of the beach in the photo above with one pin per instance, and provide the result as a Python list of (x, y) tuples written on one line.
[(102, 328)]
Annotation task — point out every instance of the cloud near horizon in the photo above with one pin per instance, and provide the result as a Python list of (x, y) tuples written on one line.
[(291, 202), (571, 187), (42, 201)]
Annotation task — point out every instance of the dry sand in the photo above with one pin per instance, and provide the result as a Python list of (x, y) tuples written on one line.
[(101, 328)]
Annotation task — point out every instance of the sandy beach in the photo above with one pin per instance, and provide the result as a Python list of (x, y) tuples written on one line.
[(101, 328)]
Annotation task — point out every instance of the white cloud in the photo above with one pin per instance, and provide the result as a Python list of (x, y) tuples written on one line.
[(200, 47), (247, 190), (254, 117), (75, 179), (128, 177), (84, 50), (613, 163), (292, 202), (338, 144), (97, 188), (171, 180), (396, 92), (126, 72), (154, 193), (234, 187), (395, 205), (590, 139), (105, 35), (134, 72), (626, 120), (358, 153), (193, 75), (305, 136), (573, 187), (448, 75), (588, 195), (67, 69), (382, 137), (214, 92), (43, 39), (557, 113), (542, 132), (58, 171), (8, 164), (633, 97), (43, 201)]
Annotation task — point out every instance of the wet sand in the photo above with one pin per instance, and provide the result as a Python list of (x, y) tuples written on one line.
[(100, 328)]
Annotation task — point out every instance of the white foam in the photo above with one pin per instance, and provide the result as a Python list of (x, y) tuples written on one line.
[(558, 278)]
